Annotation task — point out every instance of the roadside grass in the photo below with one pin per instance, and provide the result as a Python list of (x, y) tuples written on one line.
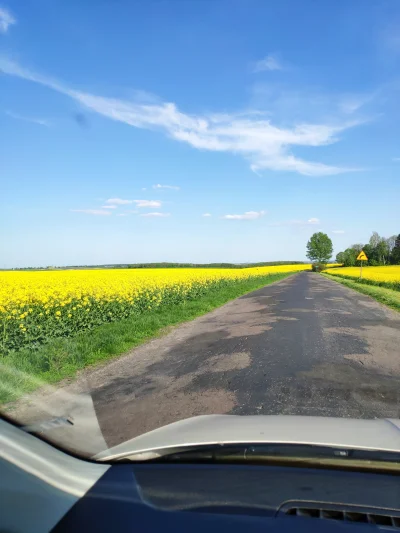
[(389, 297), (25, 370)]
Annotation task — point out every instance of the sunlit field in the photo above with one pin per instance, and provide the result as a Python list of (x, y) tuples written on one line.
[(385, 276), (35, 306)]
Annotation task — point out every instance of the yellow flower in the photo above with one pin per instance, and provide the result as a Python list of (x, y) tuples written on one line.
[(386, 274), (110, 294)]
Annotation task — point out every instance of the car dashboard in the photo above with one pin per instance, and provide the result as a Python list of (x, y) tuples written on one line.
[(45, 489)]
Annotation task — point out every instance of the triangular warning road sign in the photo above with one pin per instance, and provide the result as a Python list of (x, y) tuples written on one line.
[(361, 256)]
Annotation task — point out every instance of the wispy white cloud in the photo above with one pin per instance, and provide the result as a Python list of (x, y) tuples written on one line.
[(109, 207), (270, 62), (249, 215), (155, 214), (122, 214), (6, 20), (296, 222), (263, 144), (118, 201), (307, 104), (99, 212), (158, 186), (147, 203), (338, 231), (351, 103), (114, 202), (207, 215), (35, 120), (395, 158)]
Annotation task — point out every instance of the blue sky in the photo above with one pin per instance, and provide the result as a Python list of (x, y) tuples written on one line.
[(124, 123)]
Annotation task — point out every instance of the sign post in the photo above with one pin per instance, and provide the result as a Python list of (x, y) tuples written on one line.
[(361, 257)]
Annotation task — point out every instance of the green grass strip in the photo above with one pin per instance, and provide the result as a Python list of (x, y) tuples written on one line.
[(25, 370), (389, 297)]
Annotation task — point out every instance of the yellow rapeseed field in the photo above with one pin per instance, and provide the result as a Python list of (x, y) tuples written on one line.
[(38, 305), (380, 275)]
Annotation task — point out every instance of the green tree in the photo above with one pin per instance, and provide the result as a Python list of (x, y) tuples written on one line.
[(350, 256), (395, 255), (383, 252), (340, 257), (319, 247), (357, 247), (375, 239), (379, 249), (391, 242)]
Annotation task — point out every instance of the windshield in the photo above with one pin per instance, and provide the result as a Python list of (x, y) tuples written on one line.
[(200, 207)]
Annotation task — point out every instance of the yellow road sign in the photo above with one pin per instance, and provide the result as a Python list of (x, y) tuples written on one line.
[(361, 256)]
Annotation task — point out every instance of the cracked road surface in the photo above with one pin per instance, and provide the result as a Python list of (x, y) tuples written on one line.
[(304, 346)]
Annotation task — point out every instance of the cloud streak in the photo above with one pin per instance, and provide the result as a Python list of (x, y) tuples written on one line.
[(118, 201), (112, 203), (338, 231), (269, 62), (147, 203), (158, 186), (300, 223), (34, 120), (155, 214), (249, 215), (352, 103), (96, 212), (252, 136), (6, 20)]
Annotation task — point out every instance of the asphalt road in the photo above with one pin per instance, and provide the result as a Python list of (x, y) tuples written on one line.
[(305, 346)]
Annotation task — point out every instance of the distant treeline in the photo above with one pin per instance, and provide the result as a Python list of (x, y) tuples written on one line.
[(169, 265), (213, 265), (379, 250)]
